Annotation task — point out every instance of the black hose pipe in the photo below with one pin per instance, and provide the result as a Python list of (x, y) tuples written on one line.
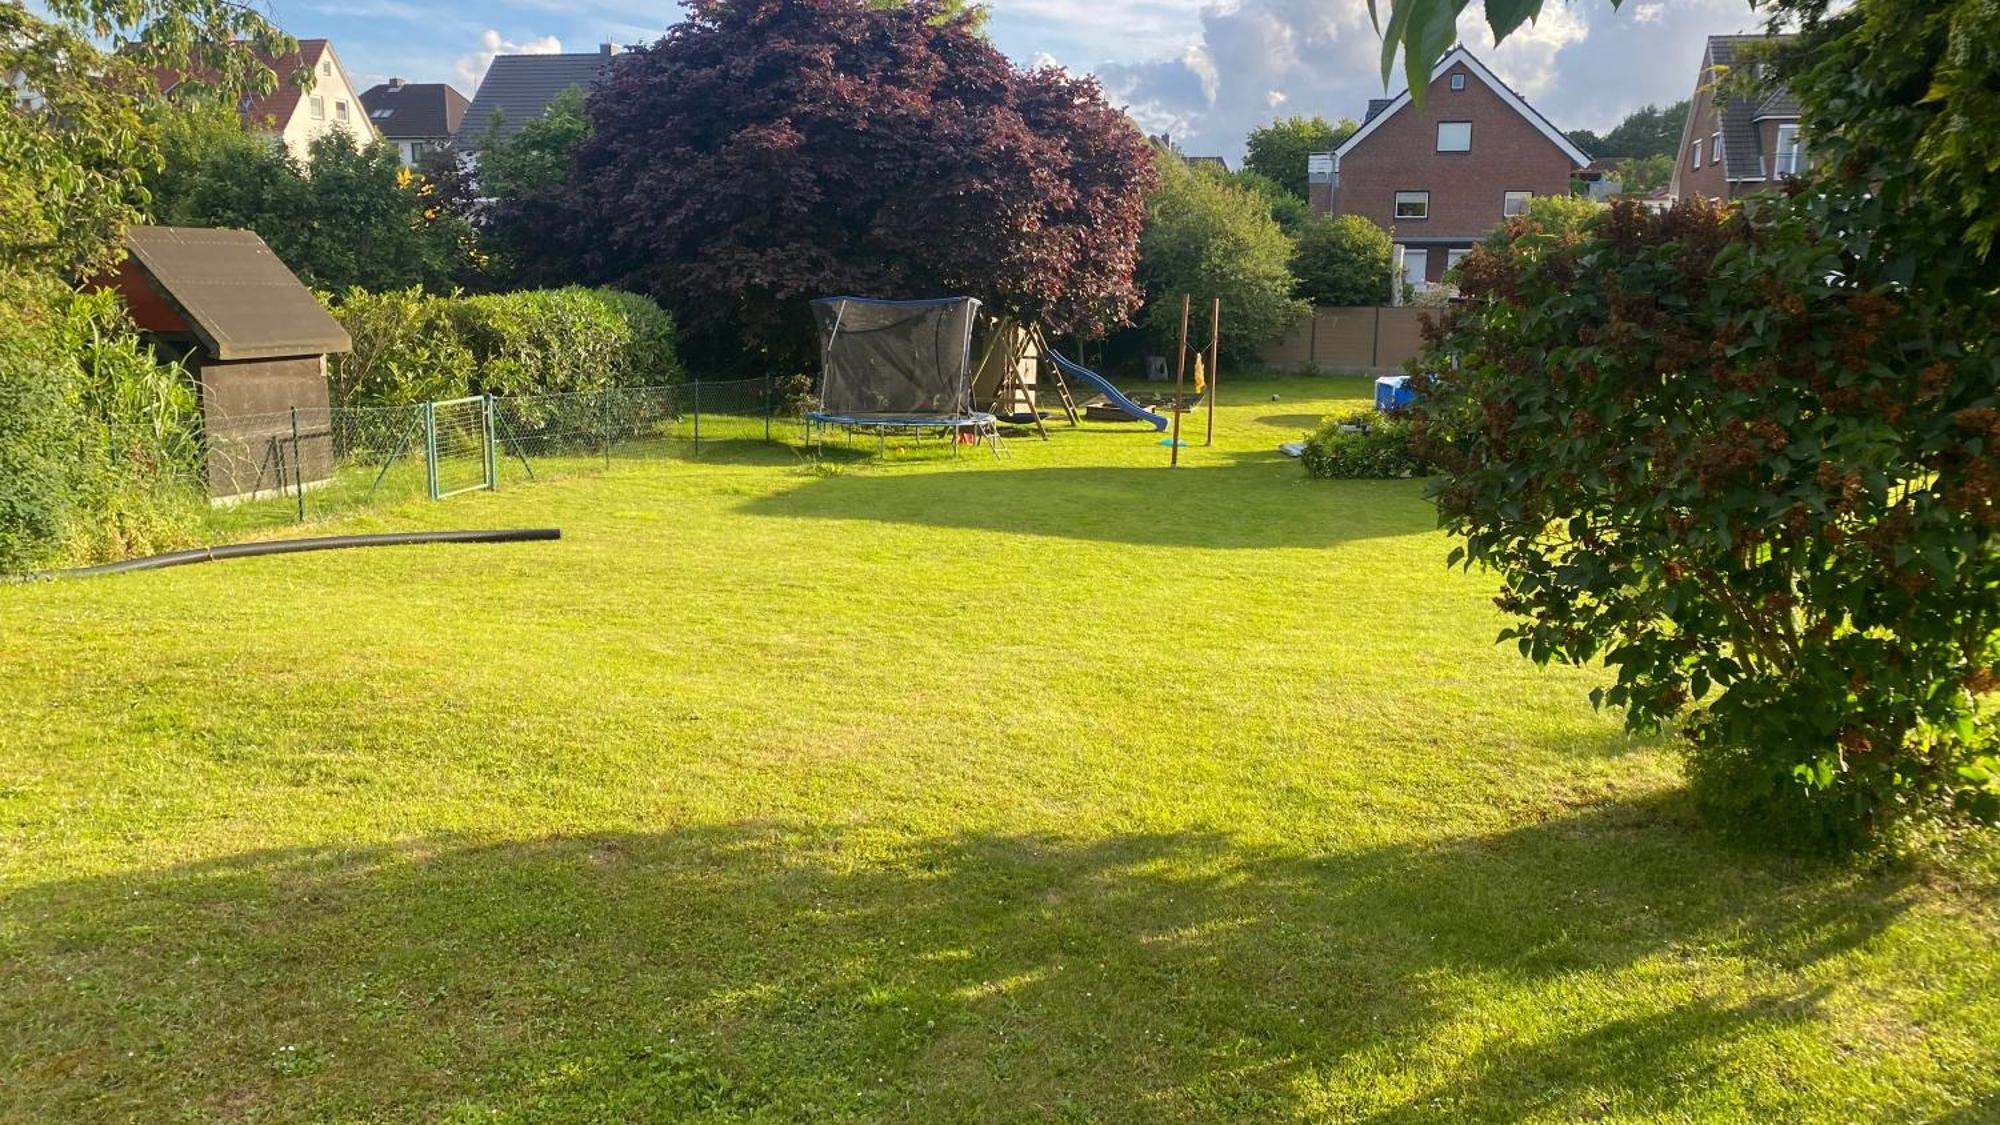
[(295, 546)]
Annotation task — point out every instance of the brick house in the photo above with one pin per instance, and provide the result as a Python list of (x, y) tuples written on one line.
[(1441, 178), (1743, 142)]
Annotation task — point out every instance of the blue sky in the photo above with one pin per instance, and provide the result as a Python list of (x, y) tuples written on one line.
[(1206, 72)]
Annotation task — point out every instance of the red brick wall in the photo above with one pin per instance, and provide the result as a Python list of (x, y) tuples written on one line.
[(1467, 188), (1706, 181)]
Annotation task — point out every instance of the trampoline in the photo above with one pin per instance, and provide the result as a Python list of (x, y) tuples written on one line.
[(898, 367)]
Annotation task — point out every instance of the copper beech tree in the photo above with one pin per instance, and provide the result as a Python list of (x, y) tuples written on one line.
[(768, 151)]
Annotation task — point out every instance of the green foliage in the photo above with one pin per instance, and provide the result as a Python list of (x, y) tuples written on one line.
[(406, 349), (409, 347), (1750, 466), (74, 152), (1343, 261), (1209, 238), (1643, 175), (536, 157), (1364, 445), (1278, 151), (93, 435), (346, 217), (1647, 131), (1289, 211)]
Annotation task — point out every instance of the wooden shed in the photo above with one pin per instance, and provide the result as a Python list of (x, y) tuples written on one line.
[(257, 340)]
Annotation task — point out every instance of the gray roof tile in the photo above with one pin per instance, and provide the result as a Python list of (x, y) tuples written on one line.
[(1742, 145), (520, 87)]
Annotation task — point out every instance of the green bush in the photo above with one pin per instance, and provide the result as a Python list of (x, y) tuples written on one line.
[(97, 446), (1363, 445), (409, 347), (1343, 261), (1210, 239)]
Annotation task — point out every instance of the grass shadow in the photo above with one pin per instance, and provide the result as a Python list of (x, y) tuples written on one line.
[(1252, 501), (796, 971)]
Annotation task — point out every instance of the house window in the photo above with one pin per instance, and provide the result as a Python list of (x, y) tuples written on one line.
[(1413, 205), (1791, 158), (1454, 136), (1715, 148), (1451, 258), (326, 67), (1515, 203), (1697, 153), (380, 114), (318, 108), (340, 111), (1458, 81)]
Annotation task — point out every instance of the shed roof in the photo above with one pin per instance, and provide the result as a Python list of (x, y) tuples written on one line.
[(240, 301)]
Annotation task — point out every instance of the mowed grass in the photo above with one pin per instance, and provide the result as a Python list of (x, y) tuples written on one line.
[(1062, 786)]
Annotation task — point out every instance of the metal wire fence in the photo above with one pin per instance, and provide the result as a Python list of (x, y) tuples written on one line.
[(263, 470)]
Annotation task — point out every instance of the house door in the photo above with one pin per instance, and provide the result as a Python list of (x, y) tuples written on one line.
[(1416, 268)]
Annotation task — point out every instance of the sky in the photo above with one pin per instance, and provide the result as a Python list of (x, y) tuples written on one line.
[(1205, 72)]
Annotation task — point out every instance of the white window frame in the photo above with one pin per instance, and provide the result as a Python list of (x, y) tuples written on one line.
[(340, 111), (1715, 147), (1452, 257), (1458, 81), (1790, 158), (1419, 279), (1697, 152), (1507, 198), (1443, 125), (1419, 198), (326, 67), (318, 106)]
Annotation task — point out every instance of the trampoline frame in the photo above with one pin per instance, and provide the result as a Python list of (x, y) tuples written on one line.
[(985, 425)]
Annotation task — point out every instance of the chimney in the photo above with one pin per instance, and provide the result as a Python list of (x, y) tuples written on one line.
[(395, 83), (608, 49)]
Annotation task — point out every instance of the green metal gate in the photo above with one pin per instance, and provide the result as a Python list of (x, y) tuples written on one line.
[(459, 447)]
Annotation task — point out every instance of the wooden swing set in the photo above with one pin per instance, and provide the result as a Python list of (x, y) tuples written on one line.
[(1023, 342)]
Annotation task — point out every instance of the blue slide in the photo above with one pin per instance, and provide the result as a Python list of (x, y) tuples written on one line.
[(1117, 397)]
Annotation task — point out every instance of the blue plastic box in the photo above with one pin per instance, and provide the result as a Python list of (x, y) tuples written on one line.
[(1392, 393)]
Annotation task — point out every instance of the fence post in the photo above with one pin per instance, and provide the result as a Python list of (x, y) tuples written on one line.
[(697, 418), (492, 462), (770, 403), (604, 423), (430, 449), (298, 467)]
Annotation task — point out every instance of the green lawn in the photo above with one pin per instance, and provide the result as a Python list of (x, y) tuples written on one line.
[(1059, 787)]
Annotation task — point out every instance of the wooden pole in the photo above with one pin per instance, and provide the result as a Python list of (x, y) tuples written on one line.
[(1180, 384), (1214, 365)]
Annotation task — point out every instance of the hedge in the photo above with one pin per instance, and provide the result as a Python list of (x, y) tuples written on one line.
[(1363, 444), (410, 347)]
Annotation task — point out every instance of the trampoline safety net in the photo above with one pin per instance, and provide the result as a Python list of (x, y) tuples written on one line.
[(896, 357)]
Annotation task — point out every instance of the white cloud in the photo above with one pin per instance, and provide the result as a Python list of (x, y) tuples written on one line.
[(1210, 74), (471, 68)]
